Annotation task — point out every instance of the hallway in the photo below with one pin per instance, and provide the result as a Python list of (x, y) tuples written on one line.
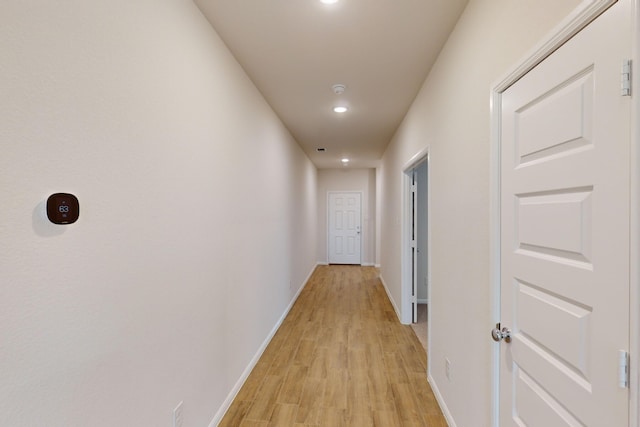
[(340, 358)]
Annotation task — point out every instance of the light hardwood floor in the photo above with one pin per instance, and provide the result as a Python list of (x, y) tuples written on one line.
[(340, 358)]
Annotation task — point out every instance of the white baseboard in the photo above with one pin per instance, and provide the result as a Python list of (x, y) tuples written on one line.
[(393, 303), (236, 389), (441, 403), (364, 264)]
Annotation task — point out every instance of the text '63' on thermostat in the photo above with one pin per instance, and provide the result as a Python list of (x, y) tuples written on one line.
[(63, 208)]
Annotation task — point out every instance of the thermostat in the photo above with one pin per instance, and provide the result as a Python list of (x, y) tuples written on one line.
[(63, 208)]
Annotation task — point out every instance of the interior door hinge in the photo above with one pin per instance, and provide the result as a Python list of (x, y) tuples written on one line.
[(623, 369), (625, 85)]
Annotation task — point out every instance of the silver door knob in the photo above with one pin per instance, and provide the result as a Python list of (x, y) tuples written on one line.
[(501, 334)]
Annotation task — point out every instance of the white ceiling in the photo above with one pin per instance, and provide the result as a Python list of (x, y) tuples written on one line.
[(296, 50)]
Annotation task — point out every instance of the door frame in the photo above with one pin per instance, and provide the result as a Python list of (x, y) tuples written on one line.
[(581, 16), (329, 192), (406, 286)]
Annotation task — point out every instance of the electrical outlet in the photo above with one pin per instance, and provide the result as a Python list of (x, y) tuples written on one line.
[(447, 368), (177, 416)]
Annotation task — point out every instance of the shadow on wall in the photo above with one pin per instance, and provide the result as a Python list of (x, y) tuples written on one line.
[(41, 224)]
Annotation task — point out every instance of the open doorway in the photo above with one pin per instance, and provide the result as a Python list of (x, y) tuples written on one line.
[(421, 260), (416, 256)]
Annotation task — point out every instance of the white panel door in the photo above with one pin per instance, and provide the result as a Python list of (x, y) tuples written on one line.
[(344, 228), (565, 233)]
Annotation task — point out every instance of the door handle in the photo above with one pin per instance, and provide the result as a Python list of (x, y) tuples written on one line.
[(501, 334)]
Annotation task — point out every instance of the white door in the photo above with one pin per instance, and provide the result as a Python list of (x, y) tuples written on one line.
[(344, 228), (565, 233)]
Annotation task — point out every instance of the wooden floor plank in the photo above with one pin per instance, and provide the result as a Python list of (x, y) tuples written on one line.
[(236, 413), (310, 401), (283, 415), (340, 358), (291, 390), (265, 400)]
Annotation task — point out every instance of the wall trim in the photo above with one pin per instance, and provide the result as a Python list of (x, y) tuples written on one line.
[(582, 15), (416, 160), (243, 378), (393, 303), (579, 18), (441, 402)]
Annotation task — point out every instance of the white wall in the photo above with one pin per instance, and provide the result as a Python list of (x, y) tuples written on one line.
[(451, 116), (197, 224), (347, 179)]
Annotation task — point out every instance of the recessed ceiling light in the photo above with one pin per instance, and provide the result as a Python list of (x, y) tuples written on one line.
[(340, 109), (328, 1), (345, 160)]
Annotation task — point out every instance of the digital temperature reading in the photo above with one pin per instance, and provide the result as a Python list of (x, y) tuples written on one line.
[(63, 208)]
